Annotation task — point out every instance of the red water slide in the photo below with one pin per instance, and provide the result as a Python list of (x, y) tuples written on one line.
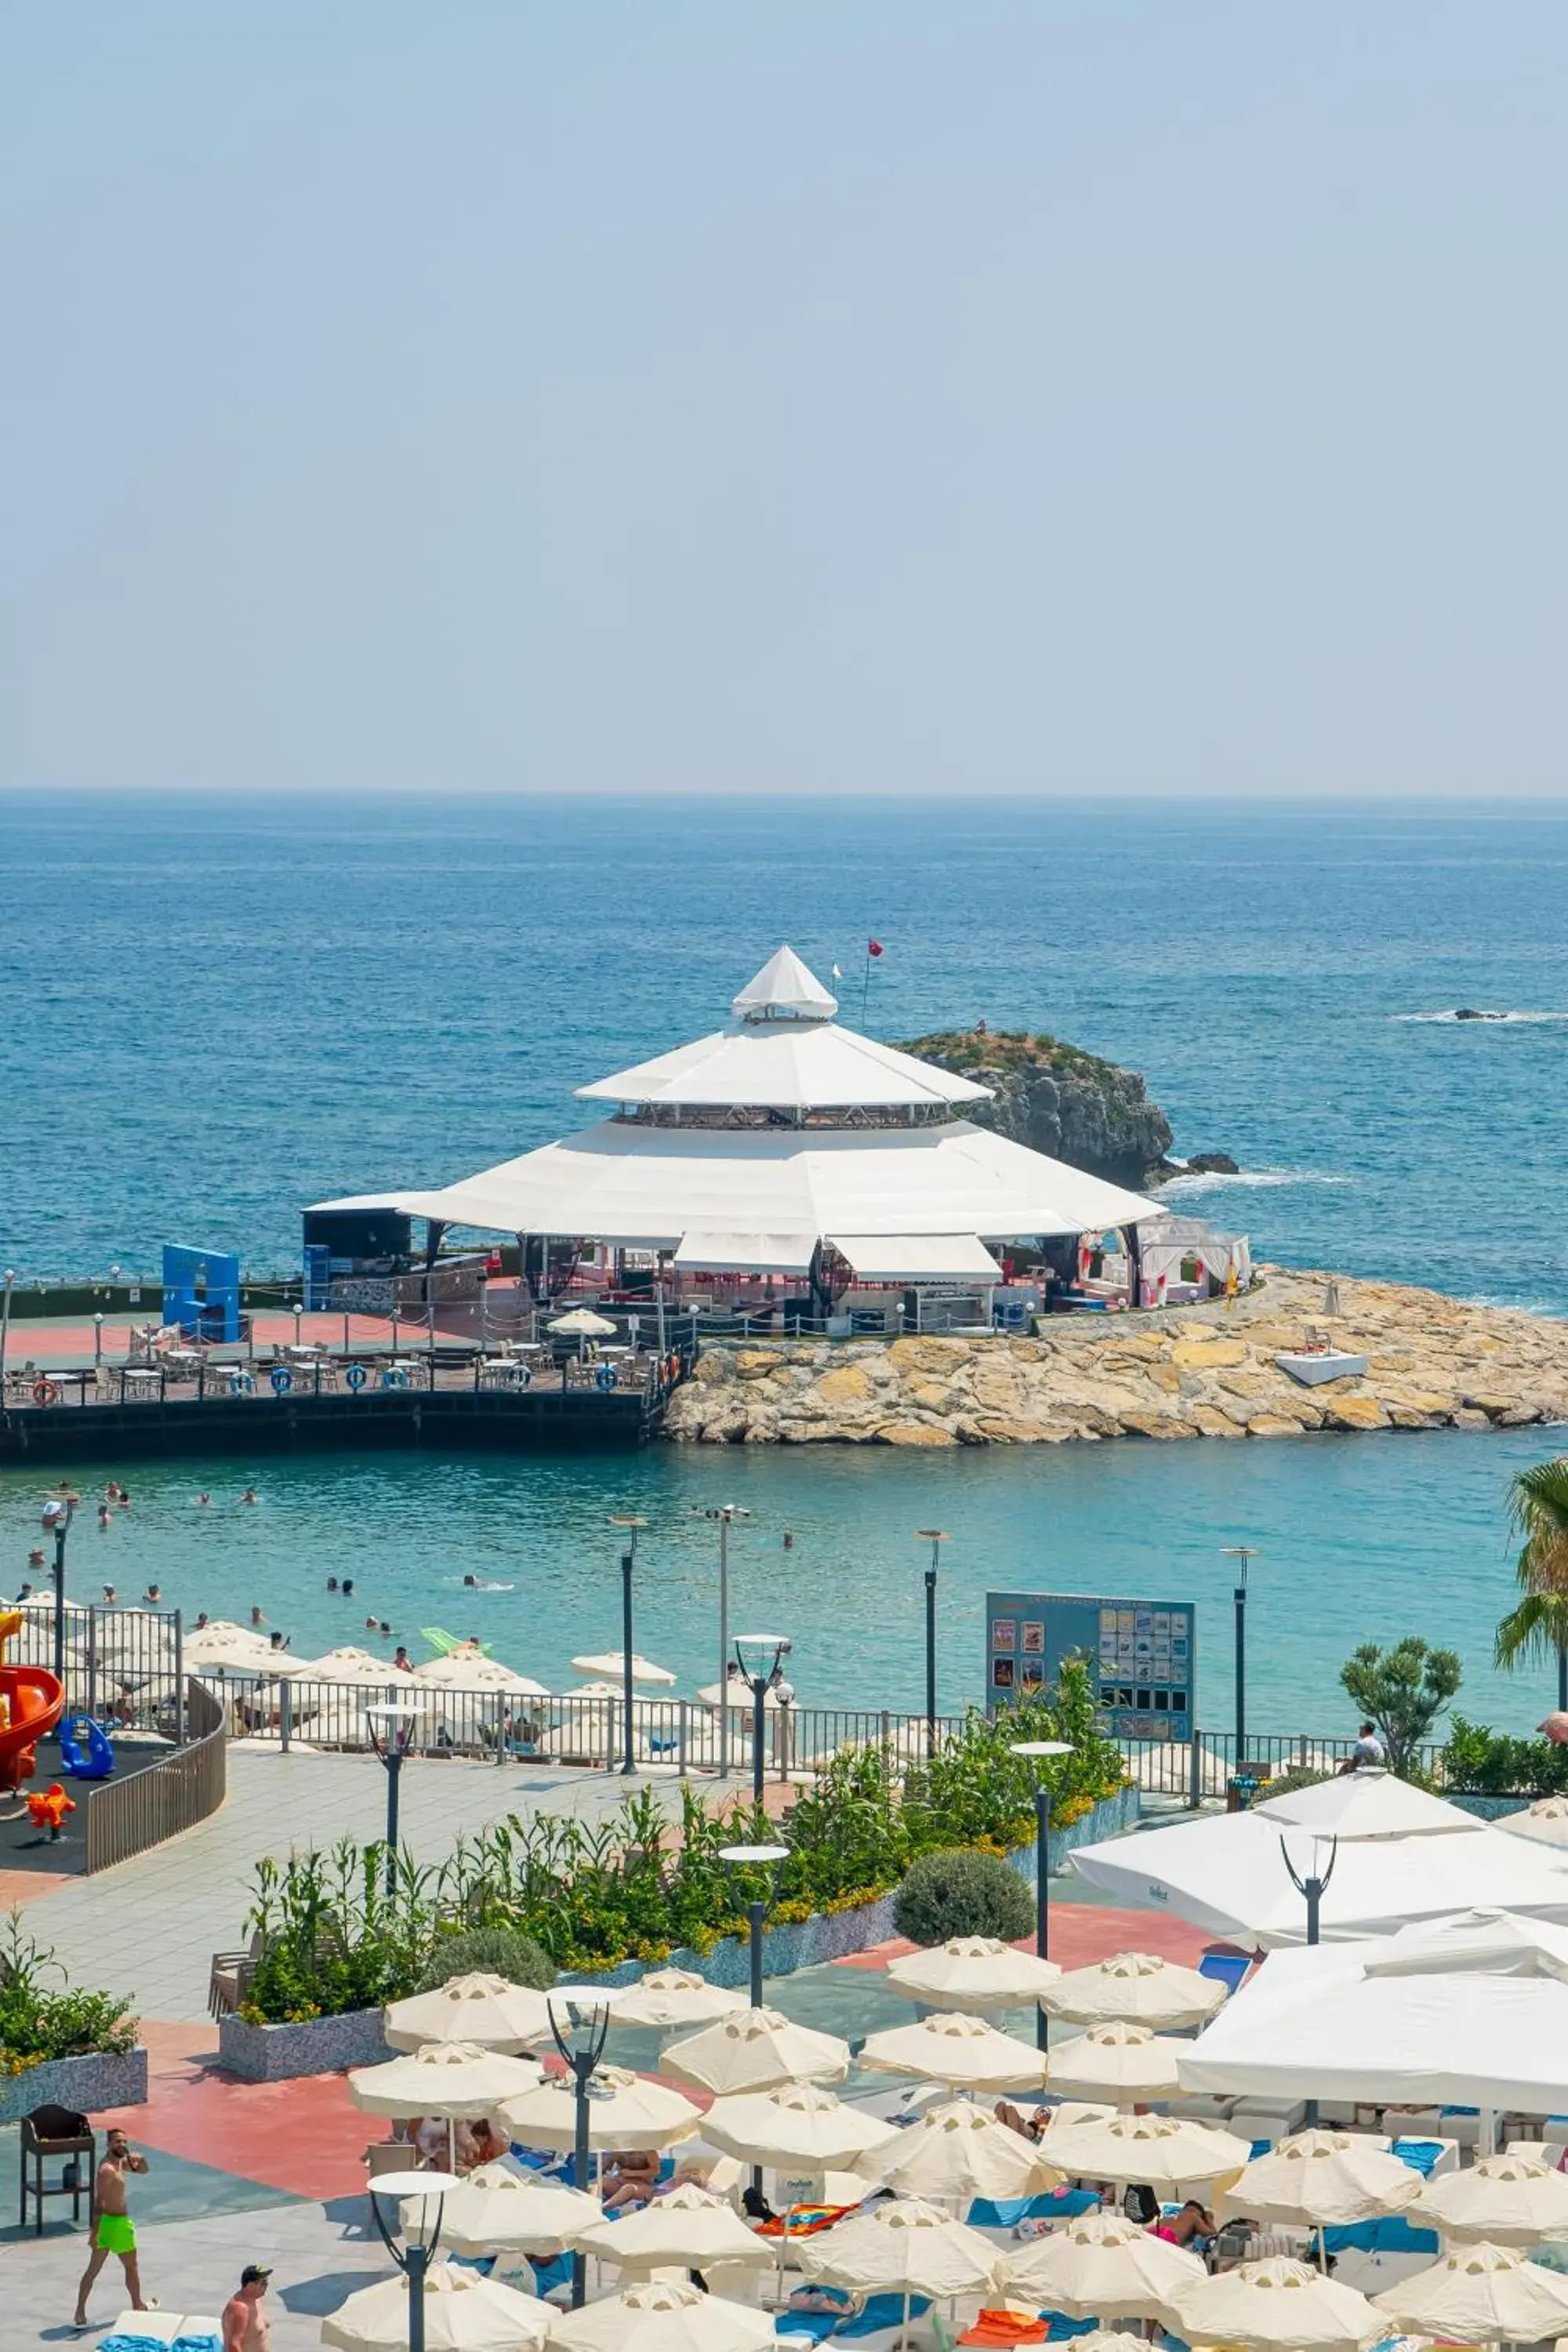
[(36, 1702)]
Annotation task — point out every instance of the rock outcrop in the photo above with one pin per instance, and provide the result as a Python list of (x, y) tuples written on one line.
[(1067, 1104), (1170, 1375)]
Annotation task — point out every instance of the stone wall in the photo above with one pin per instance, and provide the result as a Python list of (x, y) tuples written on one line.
[(1176, 1373)]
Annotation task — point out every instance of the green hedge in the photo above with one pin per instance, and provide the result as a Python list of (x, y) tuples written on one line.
[(1484, 1763), (37, 2023)]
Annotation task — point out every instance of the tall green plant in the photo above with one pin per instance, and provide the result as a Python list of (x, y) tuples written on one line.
[(1536, 1628), (1403, 1691)]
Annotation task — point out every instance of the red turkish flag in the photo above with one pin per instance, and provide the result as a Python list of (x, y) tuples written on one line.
[(873, 947)]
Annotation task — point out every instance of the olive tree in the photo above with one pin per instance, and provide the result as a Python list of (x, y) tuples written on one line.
[(1403, 1691)]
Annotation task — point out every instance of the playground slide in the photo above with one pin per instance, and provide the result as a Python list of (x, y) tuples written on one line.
[(36, 1704)]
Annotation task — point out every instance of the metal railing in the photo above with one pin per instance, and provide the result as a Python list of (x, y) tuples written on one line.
[(125, 1816)]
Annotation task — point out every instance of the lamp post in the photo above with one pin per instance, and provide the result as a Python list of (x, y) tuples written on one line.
[(629, 1561), (756, 1857), (935, 1537), (299, 1311), (63, 1502), (97, 1339), (723, 1513), (590, 2018), (414, 2263), (1311, 1880), (391, 1730), (10, 1283), (1243, 1553), (757, 1680), (1037, 1750)]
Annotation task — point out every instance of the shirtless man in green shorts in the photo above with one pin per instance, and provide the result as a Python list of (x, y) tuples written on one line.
[(114, 2232)]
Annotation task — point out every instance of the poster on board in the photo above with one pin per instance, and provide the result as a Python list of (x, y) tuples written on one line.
[(1142, 1653)]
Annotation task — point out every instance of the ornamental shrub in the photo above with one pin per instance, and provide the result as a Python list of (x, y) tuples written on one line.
[(491, 1952), (962, 1893), (38, 2024)]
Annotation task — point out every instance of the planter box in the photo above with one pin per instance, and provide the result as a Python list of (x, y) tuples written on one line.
[(277, 2054), (88, 2085), (834, 1935)]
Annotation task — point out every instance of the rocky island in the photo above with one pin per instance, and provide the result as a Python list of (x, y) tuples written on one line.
[(1168, 1375)]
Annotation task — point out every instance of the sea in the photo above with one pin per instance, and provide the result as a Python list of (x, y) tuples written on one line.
[(221, 1009)]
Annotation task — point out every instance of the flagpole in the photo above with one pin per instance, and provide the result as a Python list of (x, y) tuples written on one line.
[(866, 986)]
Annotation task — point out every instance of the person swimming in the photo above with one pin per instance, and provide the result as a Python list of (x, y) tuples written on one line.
[(485, 1584), (332, 1584), (250, 1495)]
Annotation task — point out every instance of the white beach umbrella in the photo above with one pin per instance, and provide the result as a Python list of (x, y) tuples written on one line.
[(623, 2111), (1506, 2201), (485, 2011), (1165, 2151), (755, 2050), (906, 2248), (669, 1998), (495, 2210), (357, 1667), (469, 1670), (1100, 2265), (582, 1323), (961, 2150), (1325, 2179), (592, 1690), (222, 1643), (798, 2127), (1480, 2295), (974, 1974), (741, 1699), (689, 2227), (463, 2312), (1116, 2061), (1546, 1821), (964, 2052), (1278, 2306), (613, 1661), (664, 2316), (1136, 1985), (456, 2081)]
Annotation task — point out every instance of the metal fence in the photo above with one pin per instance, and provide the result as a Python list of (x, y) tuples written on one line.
[(124, 1817), (1205, 1766)]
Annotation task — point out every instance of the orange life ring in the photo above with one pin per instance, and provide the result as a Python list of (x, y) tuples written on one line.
[(44, 1392)]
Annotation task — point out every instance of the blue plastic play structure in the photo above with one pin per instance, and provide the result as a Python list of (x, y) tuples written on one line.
[(201, 1292), (78, 1733)]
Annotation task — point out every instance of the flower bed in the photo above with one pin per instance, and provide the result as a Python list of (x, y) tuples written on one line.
[(61, 2047)]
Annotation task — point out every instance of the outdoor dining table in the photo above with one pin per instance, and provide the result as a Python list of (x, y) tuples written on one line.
[(68, 1373)]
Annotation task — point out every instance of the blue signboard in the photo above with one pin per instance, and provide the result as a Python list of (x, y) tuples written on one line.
[(1143, 1653)]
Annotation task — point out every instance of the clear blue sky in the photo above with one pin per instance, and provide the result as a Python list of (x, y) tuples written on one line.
[(848, 396)]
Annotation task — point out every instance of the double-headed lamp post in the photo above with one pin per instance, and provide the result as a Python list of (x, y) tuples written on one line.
[(756, 1857), (723, 1514), (1310, 1875), (1243, 1554), (390, 1731), (751, 1649), (581, 2041), (936, 1539), (414, 2260), (1037, 1750), (630, 1524)]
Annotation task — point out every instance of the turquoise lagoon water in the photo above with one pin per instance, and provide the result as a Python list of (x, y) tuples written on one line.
[(222, 1010)]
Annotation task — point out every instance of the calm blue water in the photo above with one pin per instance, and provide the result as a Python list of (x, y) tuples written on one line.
[(220, 1013)]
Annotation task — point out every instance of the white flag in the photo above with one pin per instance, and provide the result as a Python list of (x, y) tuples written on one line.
[(836, 973)]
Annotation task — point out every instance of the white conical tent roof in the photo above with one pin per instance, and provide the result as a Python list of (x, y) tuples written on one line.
[(783, 990)]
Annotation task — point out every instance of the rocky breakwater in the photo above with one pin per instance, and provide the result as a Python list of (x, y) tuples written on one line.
[(1210, 1371)]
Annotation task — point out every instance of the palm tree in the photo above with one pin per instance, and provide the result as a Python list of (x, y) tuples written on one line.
[(1537, 1627)]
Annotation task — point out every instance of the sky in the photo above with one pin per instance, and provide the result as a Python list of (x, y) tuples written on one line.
[(748, 396)]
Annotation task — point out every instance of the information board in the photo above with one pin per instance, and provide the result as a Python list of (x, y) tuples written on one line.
[(1144, 1653)]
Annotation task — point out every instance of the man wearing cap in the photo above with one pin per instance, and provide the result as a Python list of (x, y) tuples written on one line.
[(244, 2315)]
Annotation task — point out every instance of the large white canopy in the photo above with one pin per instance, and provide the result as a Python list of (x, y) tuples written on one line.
[(1401, 1855), (760, 1187), (1470, 2010)]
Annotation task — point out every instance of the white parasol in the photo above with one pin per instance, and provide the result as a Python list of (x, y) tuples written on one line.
[(463, 2312), (1167, 2151), (1480, 2295), (495, 2210), (1100, 2265), (1116, 2061), (798, 2127), (687, 2227), (222, 1643), (1508, 2200), (1137, 1985), (664, 2316), (613, 1661), (623, 2111), (753, 2050), (471, 1670), (1326, 2179), (484, 2010), (582, 1323), (961, 2150), (974, 1974), (1279, 2307), (964, 2052), (670, 1998), (1546, 1821), (456, 2081), (906, 2248)]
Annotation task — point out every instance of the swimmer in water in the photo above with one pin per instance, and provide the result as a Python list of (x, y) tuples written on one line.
[(484, 1584), (332, 1584), (203, 1497), (257, 1618), (105, 1516), (250, 1495)]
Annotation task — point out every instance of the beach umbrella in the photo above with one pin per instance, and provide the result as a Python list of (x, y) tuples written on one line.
[(1167, 2151), (495, 2210), (964, 2052), (688, 2229), (962, 2150), (1278, 2305), (463, 2312), (1100, 2265), (222, 1643), (670, 1998), (582, 1323), (741, 1699), (468, 1670), (592, 1690), (753, 2050), (1117, 2060), (1105, 2339), (663, 2315), (1508, 2200), (1326, 2179), (623, 2111), (356, 1667), (1546, 1821), (456, 2081), (1480, 2295), (798, 2127), (614, 1662), (974, 1974), (1139, 1985), (483, 2010), (906, 2248)]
